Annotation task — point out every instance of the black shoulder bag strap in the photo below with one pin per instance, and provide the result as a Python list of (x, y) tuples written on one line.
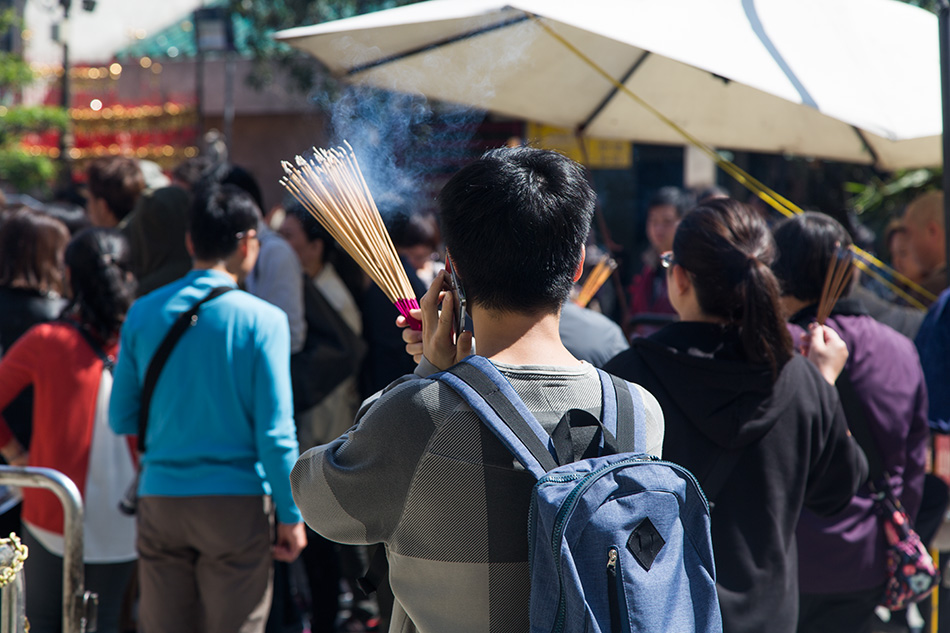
[(107, 361), (184, 321), (716, 477)]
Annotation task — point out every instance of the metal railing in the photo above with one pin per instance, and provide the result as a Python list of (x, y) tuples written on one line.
[(79, 605)]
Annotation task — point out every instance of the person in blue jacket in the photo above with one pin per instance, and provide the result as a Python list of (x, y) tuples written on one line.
[(220, 440)]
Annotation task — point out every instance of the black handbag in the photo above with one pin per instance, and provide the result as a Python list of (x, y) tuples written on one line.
[(331, 353)]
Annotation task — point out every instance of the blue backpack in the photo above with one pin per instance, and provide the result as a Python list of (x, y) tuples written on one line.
[(618, 542)]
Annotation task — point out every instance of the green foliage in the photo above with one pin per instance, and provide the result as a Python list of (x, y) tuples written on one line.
[(24, 171), (20, 120), (888, 197), (14, 72), (930, 5), (881, 200), (272, 16)]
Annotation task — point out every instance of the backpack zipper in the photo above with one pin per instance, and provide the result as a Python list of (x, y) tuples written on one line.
[(615, 591), (567, 509)]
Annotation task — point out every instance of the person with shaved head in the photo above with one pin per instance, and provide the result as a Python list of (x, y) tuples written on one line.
[(924, 225)]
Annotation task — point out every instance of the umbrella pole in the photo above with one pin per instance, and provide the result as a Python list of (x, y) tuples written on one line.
[(943, 28)]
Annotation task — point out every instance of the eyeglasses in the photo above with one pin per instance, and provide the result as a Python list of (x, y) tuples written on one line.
[(666, 260)]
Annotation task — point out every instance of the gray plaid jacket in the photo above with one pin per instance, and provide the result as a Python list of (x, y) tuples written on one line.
[(421, 473)]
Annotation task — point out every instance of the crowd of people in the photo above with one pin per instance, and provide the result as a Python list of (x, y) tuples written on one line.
[(250, 425)]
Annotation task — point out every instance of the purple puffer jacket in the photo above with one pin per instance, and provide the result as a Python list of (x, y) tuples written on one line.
[(846, 552)]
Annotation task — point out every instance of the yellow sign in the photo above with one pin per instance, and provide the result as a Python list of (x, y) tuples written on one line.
[(601, 154)]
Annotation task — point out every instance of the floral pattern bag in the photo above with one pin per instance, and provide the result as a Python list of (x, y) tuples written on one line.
[(911, 573)]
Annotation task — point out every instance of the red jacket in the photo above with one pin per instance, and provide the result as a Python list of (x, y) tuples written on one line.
[(65, 373)]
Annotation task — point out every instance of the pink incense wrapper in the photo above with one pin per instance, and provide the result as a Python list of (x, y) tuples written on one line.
[(404, 305)]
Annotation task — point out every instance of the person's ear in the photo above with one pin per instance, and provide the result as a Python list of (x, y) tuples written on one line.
[(580, 264), (189, 245), (681, 283)]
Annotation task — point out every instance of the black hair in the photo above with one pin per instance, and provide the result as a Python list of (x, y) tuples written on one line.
[(726, 249), (671, 196), (313, 230), (414, 229), (74, 217), (245, 180), (191, 171), (806, 243), (515, 222), (219, 214), (99, 278), (709, 192), (311, 227), (118, 180)]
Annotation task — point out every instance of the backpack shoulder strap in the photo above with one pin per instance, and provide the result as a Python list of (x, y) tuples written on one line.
[(492, 397), (629, 415), (108, 362), (185, 320)]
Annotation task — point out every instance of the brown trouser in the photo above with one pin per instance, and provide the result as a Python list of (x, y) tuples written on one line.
[(205, 564)]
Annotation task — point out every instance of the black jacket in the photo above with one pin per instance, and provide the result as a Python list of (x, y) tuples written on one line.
[(21, 309), (386, 358), (784, 445)]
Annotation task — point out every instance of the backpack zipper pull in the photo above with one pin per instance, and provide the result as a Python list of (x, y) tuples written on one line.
[(613, 591), (612, 561)]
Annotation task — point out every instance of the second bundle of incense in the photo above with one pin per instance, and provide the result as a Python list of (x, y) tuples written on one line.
[(836, 280), (597, 277)]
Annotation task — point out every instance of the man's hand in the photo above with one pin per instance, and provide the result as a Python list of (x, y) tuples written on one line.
[(291, 539), (435, 340), (825, 349)]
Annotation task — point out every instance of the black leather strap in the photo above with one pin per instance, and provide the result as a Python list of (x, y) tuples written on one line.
[(626, 417), (181, 324), (107, 361)]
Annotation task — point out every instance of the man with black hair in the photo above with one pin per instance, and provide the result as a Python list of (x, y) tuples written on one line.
[(113, 187), (419, 471), (220, 438), (276, 275)]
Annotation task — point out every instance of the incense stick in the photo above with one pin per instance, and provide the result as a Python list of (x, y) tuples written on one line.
[(330, 186), (595, 279), (836, 280)]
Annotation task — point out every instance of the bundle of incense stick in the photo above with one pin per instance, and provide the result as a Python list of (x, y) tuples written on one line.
[(836, 280), (595, 279), (330, 185)]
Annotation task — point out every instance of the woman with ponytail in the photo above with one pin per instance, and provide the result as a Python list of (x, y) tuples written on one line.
[(69, 363), (759, 425)]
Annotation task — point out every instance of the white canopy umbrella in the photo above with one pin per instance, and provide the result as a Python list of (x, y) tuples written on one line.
[(851, 80)]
